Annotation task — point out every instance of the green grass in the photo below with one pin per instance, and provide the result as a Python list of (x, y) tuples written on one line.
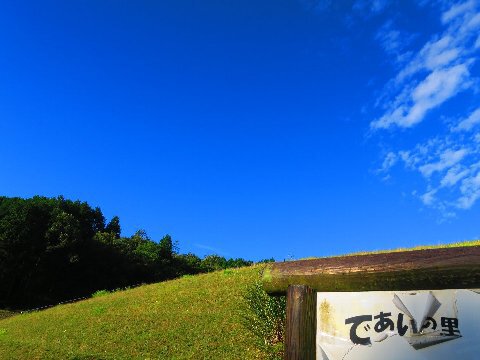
[(100, 293), (195, 317)]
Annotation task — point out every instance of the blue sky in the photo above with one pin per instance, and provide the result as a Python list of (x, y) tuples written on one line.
[(255, 129)]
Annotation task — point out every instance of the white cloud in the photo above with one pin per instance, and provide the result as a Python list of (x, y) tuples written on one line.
[(470, 190), (409, 160), (422, 154), (449, 167), (389, 161), (389, 38), (437, 72), (469, 122), (447, 159), (394, 42), (472, 24), (429, 197), (440, 85), (435, 89), (450, 48), (440, 53), (453, 176), (457, 10)]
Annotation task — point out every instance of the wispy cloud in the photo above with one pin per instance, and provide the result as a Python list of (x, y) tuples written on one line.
[(469, 122), (316, 5), (394, 41), (453, 176), (470, 190), (390, 160), (438, 71), (372, 6), (447, 159), (450, 168), (457, 10), (440, 85), (429, 197), (212, 249)]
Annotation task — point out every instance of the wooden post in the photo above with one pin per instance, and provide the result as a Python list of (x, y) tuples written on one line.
[(301, 323)]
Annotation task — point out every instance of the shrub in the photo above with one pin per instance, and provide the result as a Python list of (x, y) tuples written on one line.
[(264, 316), (99, 293)]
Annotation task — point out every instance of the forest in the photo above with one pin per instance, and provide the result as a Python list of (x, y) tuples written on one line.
[(54, 249)]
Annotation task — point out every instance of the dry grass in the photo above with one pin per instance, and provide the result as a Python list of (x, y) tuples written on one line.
[(420, 247), (423, 247)]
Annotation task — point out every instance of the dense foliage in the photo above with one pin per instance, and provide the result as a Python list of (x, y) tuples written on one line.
[(264, 316), (53, 249)]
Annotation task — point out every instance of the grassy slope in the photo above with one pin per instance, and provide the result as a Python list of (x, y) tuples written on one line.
[(190, 318)]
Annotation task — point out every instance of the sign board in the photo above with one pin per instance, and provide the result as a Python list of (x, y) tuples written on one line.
[(398, 325)]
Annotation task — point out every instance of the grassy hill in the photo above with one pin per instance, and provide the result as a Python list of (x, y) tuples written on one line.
[(195, 317)]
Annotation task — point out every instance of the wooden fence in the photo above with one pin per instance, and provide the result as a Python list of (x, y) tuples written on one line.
[(432, 269)]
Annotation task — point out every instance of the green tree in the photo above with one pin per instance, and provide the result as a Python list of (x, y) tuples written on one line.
[(54, 249), (114, 227), (167, 247), (64, 231), (213, 263)]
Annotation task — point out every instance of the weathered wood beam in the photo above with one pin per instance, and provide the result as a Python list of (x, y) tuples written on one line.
[(301, 323), (431, 269)]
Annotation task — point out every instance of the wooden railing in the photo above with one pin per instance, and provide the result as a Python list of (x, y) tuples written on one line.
[(431, 269)]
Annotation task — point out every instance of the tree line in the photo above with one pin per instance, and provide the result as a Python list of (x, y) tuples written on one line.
[(54, 249)]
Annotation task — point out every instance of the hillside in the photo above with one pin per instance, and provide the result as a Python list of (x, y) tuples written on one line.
[(195, 317)]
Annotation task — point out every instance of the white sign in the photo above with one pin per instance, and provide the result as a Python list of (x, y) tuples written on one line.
[(396, 325)]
